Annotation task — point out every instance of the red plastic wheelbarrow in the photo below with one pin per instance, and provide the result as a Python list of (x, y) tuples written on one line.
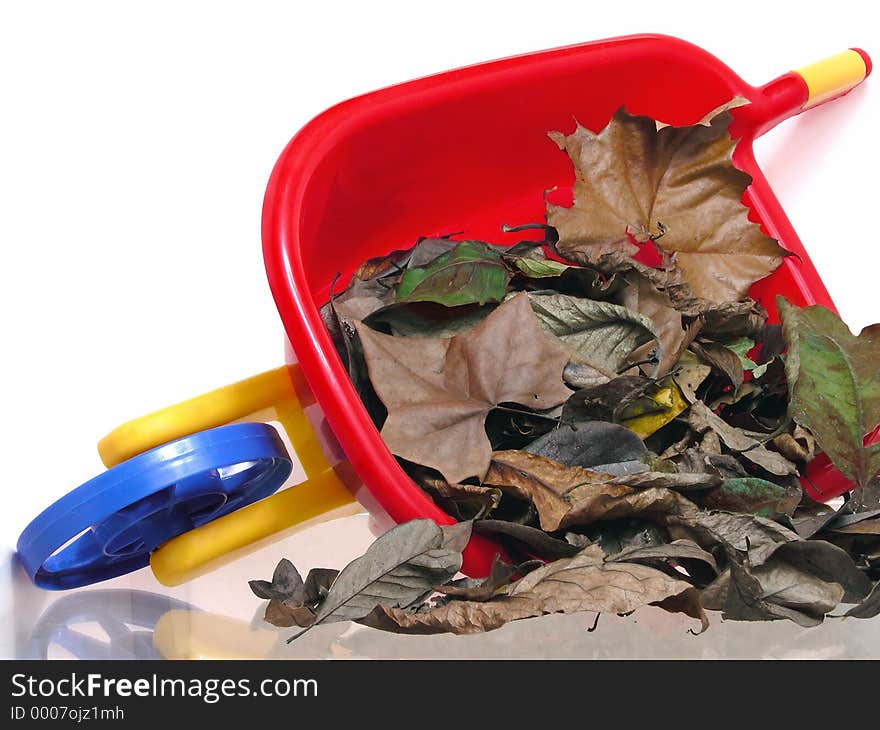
[(464, 150)]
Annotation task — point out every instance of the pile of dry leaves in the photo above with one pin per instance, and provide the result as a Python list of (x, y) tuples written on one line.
[(610, 405)]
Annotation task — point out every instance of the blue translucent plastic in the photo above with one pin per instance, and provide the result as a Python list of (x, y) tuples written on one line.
[(110, 525)]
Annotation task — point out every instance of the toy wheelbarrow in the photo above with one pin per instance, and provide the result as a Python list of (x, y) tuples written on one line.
[(363, 178)]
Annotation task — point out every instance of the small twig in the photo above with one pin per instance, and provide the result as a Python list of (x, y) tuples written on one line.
[(661, 232), (525, 227), (507, 409), (333, 286), (653, 360)]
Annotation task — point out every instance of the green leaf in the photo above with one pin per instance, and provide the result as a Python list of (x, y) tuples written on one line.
[(599, 333), (541, 268), (470, 273), (753, 495), (834, 380), (563, 277)]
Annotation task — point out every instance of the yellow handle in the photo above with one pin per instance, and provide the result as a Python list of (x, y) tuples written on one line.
[(833, 76), (278, 394)]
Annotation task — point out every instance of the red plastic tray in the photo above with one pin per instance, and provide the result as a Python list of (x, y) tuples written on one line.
[(467, 151)]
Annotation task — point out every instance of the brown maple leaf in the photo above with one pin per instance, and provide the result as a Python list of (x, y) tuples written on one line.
[(438, 392), (677, 185)]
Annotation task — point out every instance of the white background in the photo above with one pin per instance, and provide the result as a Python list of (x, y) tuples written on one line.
[(136, 140)]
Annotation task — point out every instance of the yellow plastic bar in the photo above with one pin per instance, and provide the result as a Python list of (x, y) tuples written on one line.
[(833, 76), (274, 395), (217, 408), (216, 543)]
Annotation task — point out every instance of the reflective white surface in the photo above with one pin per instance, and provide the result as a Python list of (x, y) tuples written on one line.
[(217, 616)]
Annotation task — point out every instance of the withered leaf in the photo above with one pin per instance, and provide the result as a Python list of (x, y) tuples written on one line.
[(536, 540), (800, 445), (439, 391), (565, 496), (701, 419), (751, 534), (286, 583), (584, 582), (679, 481), (700, 564), (470, 589), (655, 409), (604, 401), (690, 374), (643, 297), (743, 597), (297, 607), (722, 358), (600, 334), (632, 177), (589, 444), (834, 381), (870, 607), (398, 569)]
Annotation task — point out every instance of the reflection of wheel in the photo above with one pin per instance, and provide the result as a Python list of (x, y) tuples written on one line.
[(125, 619), (111, 524)]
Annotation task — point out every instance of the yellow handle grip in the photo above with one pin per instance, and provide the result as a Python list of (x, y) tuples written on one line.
[(274, 395), (833, 76)]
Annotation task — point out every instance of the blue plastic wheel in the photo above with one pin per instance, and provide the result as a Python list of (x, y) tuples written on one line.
[(109, 526)]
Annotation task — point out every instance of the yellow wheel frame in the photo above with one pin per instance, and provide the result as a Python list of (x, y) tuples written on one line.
[(279, 394)]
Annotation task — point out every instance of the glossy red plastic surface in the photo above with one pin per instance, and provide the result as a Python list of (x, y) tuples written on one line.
[(467, 151)]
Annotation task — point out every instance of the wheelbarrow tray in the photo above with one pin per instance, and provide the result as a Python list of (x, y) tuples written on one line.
[(467, 150)]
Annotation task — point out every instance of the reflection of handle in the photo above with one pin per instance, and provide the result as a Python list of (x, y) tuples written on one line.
[(275, 395)]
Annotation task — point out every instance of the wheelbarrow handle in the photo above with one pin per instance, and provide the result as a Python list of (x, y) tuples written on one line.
[(834, 76), (279, 394), (799, 90)]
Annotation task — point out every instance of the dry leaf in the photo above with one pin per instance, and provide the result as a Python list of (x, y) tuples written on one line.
[(701, 419), (676, 184), (566, 496), (439, 391), (584, 582)]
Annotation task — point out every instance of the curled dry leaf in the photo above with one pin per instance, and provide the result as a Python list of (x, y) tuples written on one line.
[(566, 496), (722, 358), (869, 608), (700, 564), (680, 177), (689, 375), (643, 297), (800, 445), (438, 392), (538, 541), (701, 419), (584, 582)]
